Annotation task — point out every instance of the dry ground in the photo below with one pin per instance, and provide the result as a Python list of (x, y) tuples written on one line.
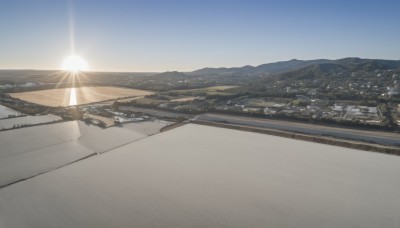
[(84, 95), (207, 89)]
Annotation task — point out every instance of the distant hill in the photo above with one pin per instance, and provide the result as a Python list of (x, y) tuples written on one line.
[(172, 75), (269, 68), (320, 70), (351, 64), (314, 71), (340, 68), (357, 64)]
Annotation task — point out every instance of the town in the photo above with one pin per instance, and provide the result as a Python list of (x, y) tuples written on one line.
[(347, 92)]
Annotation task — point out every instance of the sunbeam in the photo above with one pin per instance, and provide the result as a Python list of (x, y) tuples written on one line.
[(71, 27), (72, 97)]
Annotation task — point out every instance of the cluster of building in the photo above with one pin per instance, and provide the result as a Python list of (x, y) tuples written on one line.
[(376, 83), (305, 107), (102, 116), (370, 115)]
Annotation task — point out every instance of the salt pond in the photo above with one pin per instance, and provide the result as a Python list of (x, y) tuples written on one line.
[(27, 120), (201, 176), (29, 151), (5, 112)]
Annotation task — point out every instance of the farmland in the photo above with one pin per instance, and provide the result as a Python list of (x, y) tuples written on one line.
[(213, 90), (184, 99), (84, 95)]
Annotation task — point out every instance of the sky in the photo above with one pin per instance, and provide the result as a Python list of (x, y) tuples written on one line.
[(156, 36)]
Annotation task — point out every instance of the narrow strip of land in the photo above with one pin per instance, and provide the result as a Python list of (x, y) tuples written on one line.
[(155, 112), (378, 137)]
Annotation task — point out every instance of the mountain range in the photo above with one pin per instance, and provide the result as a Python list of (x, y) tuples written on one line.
[(268, 68), (350, 64), (325, 69)]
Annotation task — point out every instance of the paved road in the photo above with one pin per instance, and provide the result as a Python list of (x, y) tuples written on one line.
[(384, 138)]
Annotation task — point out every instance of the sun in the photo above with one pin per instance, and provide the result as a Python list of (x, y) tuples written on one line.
[(74, 64)]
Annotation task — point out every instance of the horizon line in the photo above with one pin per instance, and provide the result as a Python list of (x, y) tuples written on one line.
[(184, 71)]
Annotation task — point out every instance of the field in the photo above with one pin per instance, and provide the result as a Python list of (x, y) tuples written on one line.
[(84, 95), (213, 90), (184, 99), (199, 176), (218, 88), (147, 101)]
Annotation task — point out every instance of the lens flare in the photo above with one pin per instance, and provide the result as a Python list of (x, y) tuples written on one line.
[(74, 64)]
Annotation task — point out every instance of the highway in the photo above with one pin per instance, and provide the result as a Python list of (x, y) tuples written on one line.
[(370, 136)]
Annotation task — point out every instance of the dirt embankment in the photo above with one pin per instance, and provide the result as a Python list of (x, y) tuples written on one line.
[(172, 126), (311, 138)]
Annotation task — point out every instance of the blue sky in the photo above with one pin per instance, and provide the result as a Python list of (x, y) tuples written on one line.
[(117, 35)]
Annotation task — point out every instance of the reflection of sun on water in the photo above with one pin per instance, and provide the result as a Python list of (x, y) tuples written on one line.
[(72, 97)]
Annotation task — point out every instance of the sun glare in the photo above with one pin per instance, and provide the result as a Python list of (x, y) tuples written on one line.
[(72, 97), (74, 64)]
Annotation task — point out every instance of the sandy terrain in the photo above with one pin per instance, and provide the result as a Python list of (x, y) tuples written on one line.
[(199, 176), (84, 95)]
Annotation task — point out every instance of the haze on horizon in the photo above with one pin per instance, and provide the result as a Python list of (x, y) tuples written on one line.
[(158, 36)]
